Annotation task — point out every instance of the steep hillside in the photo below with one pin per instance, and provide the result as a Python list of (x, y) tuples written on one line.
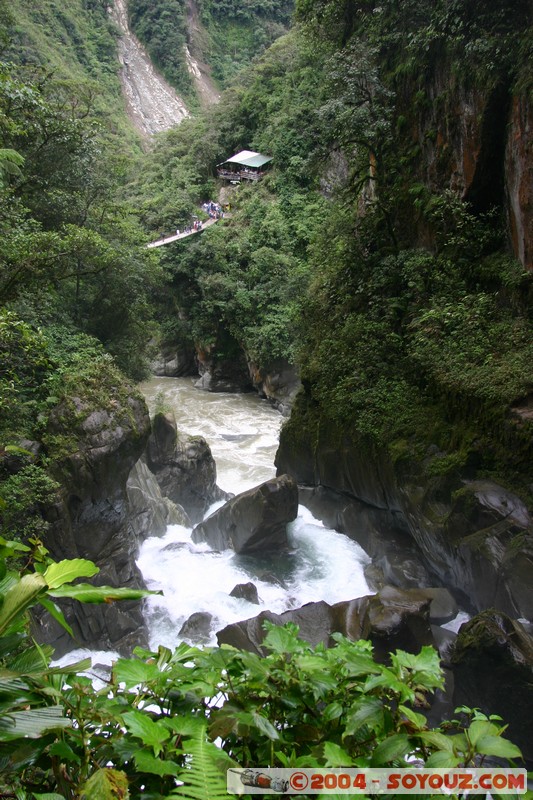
[(202, 44), (387, 254), (76, 42)]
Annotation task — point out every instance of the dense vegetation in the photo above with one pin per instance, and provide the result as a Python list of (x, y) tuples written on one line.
[(148, 732), (75, 282), (398, 299), (225, 34)]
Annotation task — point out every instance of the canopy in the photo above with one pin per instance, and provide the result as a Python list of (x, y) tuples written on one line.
[(247, 158)]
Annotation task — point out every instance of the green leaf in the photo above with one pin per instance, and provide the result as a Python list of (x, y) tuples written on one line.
[(369, 712), (64, 752), (56, 613), (86, 593), (490, 745), (152, 733), (146, 762), (282, 639), (335, 755), (480, 728), (19, 598), (32, 724), (332, 711), (264, 725), (418, 720), (395, 746), (134, 672), (437, 739), (49, 796), (106, 784), (443, 760), (68, 570)]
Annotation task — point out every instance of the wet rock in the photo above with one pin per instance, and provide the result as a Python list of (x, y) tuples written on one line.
[(223, 373), (278, 382), (246, 591), (95, 452), (253, 521), (197, 628), (175, 361), (391, 620), (420, 528), (150, 512), (183, 467), (519, 191), (492, 662)]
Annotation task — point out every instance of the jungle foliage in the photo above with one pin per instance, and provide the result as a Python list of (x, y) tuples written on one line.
[(225, 34), (397, 299), (148, 730)]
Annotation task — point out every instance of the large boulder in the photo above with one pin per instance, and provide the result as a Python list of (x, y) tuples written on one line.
[(175, 360), (183, 467), (246, 591), (93, 445), (254, 521), (492, 662), (150, 512), (197, 628), (391, 619)]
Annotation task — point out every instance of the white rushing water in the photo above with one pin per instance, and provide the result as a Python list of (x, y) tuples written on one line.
[(242, 431)]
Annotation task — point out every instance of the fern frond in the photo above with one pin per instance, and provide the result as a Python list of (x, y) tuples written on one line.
[(204, 778)]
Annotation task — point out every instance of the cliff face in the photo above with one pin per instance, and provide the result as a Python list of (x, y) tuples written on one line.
[(477, 141), (519, 179), (473, 536), (95, 449)]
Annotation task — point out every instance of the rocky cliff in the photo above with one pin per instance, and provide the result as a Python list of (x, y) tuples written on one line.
[(94, 444), (471, 535)]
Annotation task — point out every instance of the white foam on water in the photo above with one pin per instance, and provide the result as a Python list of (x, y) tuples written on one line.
[(321, 565)]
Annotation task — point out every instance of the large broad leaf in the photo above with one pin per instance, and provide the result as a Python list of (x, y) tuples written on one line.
[(437, 739), (335, 756), (369, 711), (282, 639), (49, 796), (57, 614), (32, 724), (264, 725), (146, 762), (86, 593), (134, 672), (68, 570), (395, 746), (490, 745), (443, 760), (19, 598), (151, 733), (106, 784)]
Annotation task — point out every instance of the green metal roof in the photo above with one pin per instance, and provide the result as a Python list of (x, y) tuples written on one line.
[(247, 158)]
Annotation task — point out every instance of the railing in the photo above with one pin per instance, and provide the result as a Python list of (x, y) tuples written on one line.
[(242, 175)]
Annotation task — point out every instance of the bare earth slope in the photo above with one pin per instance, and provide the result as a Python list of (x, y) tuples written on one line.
[(152, 104), (201, 73)]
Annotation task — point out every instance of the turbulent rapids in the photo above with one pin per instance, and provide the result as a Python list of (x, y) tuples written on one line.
[(242, 432)]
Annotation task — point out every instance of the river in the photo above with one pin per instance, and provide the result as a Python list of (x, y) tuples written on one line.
[(242, 431)]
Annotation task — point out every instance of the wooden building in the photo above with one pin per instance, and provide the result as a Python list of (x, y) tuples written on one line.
[(243, 166)]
